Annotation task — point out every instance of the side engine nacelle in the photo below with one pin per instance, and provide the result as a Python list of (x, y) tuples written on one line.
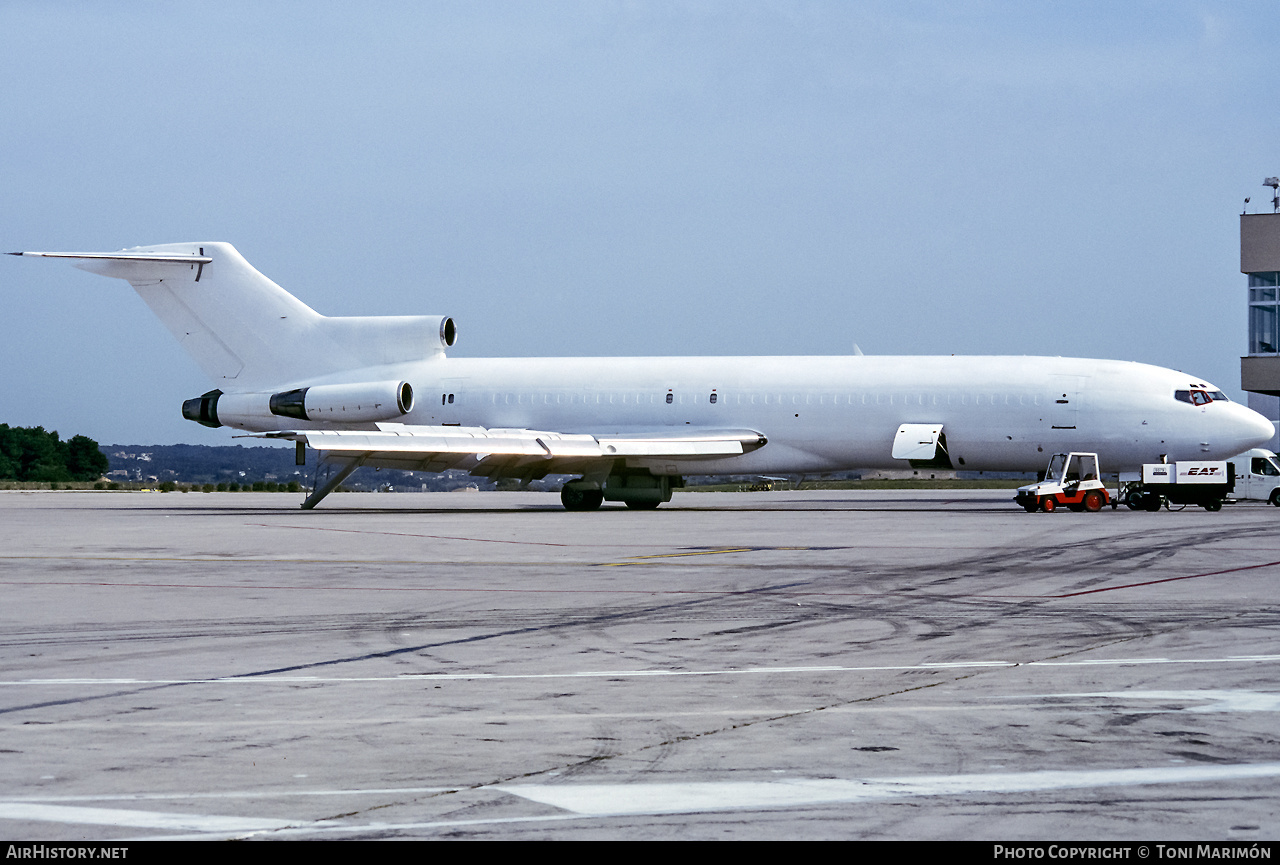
[(362, 402)]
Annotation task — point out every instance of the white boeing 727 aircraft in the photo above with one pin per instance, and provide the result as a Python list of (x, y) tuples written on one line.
[(381, 391)]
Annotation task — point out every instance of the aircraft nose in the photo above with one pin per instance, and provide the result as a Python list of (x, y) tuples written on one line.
[(1251, 429)]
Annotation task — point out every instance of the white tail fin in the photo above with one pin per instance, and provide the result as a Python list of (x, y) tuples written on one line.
[(247, 332)]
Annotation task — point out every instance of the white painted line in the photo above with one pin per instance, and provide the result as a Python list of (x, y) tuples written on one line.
[(1234, 659), (438, 677), (81, 682), (1104, 662), (615, 800), (34, 812), (232, 794), (945, 664), (590, 674)]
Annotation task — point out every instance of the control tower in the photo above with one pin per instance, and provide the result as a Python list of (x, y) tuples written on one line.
[(1260, 261)]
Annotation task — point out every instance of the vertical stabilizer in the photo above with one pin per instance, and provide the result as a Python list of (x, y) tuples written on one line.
[(245, 331)]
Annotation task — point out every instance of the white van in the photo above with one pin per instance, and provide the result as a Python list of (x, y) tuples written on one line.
[(1257, 476)]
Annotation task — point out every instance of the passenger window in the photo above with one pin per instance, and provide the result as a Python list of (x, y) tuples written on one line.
[(712, 399), (670, 399)]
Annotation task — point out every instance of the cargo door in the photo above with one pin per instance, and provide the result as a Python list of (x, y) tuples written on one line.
[(923, 445)]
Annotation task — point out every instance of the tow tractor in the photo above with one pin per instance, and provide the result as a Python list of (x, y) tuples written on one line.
[(1071, 481)]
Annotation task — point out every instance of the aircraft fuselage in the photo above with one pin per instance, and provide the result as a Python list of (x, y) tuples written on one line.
[(823, 414)]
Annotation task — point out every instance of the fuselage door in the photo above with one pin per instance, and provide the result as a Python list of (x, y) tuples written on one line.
[(924, 445), (1064, 401)]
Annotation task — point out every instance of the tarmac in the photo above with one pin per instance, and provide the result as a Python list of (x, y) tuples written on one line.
[(775, 665)]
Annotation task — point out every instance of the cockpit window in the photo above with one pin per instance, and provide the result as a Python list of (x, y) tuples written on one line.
[(1197, 397), (1217, 395)]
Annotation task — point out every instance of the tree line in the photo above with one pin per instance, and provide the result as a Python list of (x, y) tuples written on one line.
[(32, 454)]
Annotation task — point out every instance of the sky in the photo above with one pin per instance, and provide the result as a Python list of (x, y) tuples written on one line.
[(635, 178)]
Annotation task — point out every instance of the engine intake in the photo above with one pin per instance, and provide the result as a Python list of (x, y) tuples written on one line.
[(203, 409)]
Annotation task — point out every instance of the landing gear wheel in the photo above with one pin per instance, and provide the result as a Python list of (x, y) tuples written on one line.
[(1093, 501), (643, 506), (1048, 505), (578, 499)]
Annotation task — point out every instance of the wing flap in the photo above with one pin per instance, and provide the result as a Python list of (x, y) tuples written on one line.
[(436, 444)]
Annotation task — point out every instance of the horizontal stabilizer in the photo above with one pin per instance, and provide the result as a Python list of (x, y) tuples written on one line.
[(142, 266), (124, 256)]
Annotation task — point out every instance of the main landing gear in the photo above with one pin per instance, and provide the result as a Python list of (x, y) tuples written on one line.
[(638, 490), (576, 498)]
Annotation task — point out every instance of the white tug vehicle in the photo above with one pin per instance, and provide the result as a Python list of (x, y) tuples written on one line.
[(1071, 481)]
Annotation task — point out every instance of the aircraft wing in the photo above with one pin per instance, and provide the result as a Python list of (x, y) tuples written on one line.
[(520, 453)]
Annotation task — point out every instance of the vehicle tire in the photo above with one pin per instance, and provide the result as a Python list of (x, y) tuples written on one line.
[(1048, 504), (1133, 500), (1151, 502), (578, 499), (1275, 497), (643, 506), (1031, 507), (1212, 506), (1093, 501)]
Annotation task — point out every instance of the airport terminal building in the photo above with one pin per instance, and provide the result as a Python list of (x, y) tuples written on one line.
[(1260, 262)]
